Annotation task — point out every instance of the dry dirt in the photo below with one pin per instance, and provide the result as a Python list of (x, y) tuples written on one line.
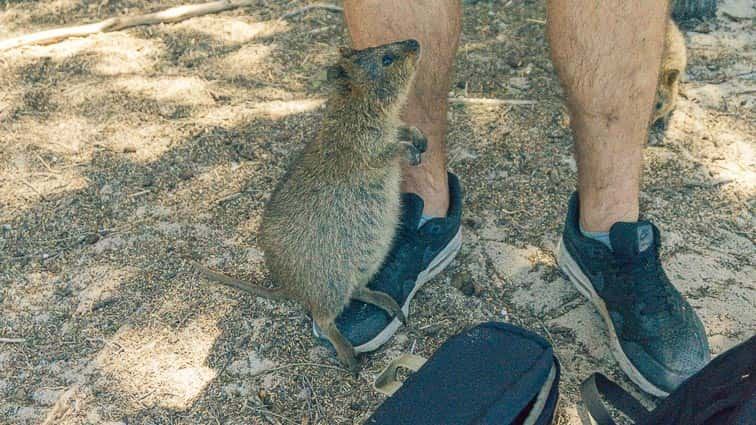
[(122, 155)]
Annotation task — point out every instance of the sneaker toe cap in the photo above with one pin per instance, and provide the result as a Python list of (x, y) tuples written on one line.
[(667, 363), (360, 323)]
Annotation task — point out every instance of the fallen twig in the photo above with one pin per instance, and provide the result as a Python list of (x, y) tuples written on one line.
[(174, 14), (303, 9), (44, 255), (263, 410), (45, 164), (228, 198), (706, 184), (314, 397), (486, 101), (727, 78), (12, 340), (290, 365), (691, 185), (322, 29), (140, 193), (30, 186), (734, 18)]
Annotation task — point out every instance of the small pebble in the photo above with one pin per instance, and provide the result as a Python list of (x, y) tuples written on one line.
[(520, 83), (703, 28), (264, 396), (473, 222), (433, 329), (554, 175), (186, 174), (513, 59), (104, 303), (19, 395)]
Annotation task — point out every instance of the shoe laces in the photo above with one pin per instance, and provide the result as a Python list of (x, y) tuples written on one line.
[(643, 276), (402, 239)]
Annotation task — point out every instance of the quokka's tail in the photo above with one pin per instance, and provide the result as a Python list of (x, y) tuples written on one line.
[(270, 293)]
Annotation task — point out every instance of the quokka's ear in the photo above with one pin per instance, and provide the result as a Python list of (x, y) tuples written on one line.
[(336, 73), (345, 51)]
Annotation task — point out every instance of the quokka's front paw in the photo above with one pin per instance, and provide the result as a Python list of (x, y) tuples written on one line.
[(414, 136), (412, 153)]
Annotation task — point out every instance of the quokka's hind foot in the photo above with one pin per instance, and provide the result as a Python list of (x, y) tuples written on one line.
[(381, 300), (344, 349)]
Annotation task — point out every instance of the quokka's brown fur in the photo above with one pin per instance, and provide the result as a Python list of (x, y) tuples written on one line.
[(672, 69), (331, 218)]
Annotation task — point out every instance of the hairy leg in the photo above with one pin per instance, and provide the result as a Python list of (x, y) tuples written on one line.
[(608, 54), (436, 25)]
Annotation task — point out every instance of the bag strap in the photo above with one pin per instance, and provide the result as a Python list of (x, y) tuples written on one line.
[(598, 385), (386, 383)]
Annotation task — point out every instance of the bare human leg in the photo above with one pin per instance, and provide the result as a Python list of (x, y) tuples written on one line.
[(607, 55), (436, 25)]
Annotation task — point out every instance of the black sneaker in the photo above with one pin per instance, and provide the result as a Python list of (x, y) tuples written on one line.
[(654, 333), (416, 257)]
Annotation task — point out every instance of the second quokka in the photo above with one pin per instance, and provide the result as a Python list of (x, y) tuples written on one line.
[(332, 217), (673, 64)]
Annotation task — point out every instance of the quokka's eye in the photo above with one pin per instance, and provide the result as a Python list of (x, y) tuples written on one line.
[(388, 60)]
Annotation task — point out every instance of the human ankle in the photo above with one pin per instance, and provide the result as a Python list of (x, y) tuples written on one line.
[(598, 214), (602, 237), (433, 190)]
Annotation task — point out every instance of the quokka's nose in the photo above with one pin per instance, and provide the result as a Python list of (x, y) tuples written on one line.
[(412, 45)]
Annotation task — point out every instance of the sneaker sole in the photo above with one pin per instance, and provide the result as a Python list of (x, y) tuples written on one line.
[(534, 416), (570, 267), (436, 266)]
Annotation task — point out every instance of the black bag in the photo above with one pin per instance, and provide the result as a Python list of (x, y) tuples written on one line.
[(494, 373), (723, 392)]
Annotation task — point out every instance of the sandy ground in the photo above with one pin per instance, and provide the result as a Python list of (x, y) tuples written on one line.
[(122, 155)]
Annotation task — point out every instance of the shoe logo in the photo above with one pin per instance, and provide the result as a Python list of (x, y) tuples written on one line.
[(645, 237)]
